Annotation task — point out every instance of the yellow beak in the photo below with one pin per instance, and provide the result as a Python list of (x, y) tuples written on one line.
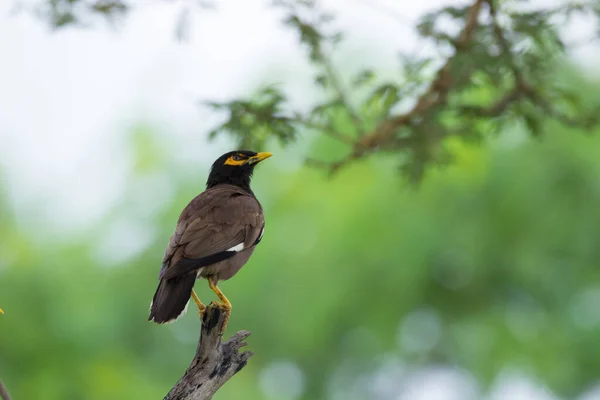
[(259, 157)]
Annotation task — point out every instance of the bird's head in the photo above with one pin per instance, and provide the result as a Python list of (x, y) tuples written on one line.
[(235, 168)]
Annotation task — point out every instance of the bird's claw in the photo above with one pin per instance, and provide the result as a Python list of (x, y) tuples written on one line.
[(223, 307)]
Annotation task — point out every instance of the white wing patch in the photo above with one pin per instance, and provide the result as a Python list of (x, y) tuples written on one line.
[(237, 248), (261, 234)]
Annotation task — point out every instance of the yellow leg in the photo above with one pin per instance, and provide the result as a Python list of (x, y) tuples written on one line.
[(224, 302), (225, 305), (201, 307), (1, 311)]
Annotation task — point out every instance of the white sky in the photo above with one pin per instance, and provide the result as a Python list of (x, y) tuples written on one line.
[(67, 97)]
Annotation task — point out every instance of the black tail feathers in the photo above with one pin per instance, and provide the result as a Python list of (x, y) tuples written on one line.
[(171, 298)]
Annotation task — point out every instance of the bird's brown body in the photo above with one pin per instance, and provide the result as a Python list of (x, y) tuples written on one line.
[(219, 218), (215, 236)]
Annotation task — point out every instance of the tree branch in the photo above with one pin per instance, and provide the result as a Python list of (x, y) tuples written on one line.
[(4, 395), (524, 89), (435, 95), (215, 362)]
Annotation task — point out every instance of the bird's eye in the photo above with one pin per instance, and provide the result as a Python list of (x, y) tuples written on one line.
[(237, 157)]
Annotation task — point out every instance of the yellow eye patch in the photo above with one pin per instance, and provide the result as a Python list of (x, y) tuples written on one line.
[(236, 159)]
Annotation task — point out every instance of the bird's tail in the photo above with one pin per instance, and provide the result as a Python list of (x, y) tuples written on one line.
[(171, 298)]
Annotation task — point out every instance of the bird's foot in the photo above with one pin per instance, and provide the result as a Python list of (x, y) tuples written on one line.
[(201, 311), (225, 309)]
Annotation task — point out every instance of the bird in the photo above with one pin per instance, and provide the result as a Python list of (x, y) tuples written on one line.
[(215, 235)]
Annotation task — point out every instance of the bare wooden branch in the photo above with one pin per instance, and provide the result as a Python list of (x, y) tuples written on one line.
[(215, 362), (4, 395)]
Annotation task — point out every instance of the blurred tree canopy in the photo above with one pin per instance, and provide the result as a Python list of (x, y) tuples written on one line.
[(499, 66), (492, 266)]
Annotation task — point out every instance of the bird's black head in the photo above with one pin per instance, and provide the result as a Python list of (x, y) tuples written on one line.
[(235, 168)]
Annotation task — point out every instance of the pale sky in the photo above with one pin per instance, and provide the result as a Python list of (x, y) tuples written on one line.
[(68, 97)]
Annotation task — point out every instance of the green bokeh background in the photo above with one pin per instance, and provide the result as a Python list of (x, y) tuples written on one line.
[(490, 265)]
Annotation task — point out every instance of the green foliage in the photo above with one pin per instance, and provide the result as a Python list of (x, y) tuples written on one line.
[(499, 252), (252, 122), (63, 13), (516, 49), (512, 58)]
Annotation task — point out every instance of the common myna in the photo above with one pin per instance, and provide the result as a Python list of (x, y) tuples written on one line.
[(215, 236)]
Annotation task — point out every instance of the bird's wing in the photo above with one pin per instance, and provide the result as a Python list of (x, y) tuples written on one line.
[(215, 226)]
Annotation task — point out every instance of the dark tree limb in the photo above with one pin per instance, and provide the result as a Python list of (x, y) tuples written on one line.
[(215, 362)]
